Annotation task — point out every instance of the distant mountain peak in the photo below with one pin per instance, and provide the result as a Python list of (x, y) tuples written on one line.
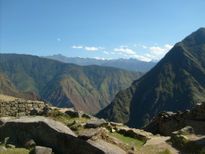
[(196, 38), (177, 82), (131, 64)]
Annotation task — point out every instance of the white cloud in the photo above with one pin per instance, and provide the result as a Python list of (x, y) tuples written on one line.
[(168, 47), (58, 39), (101, 58), (105, 52), (139, 57), (143, 58), (77, 47), (88, 48), (116, 53), (125, 50), (144, 47), (157, 50), (91, 48)]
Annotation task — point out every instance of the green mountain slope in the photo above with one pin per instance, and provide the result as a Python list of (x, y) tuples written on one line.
[(88, 88), (177, 82), (8, 88)]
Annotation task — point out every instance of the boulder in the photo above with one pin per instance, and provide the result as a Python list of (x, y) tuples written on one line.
[(45, 132), (10, 146), (95, 123), (41, 150), (107, 148), (186, 130), (77, 114), (165, 123), (135, 133), (84, 115), (30, 143), (88, 133), (72, 113)]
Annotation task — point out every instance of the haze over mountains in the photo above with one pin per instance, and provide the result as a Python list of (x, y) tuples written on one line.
[(127, 64), (87, 88), (177, 82)]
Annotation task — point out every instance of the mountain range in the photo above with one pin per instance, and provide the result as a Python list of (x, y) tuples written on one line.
[(87, 88), (177, 82), (127, 64)]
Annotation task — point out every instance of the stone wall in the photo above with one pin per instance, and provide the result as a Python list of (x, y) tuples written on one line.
[(20, 107), (167, 122)]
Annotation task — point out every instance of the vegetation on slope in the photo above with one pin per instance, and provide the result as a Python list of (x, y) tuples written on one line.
[(177, 82), (88, 88)]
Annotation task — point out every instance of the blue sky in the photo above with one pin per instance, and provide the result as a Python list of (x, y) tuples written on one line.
[(143, 29)]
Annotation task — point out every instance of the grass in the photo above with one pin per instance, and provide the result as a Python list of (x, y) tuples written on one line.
[(67, 120), (14, 150), (165, 152), (127, 140)]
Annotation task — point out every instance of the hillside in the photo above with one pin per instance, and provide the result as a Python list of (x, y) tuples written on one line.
[(8, 88), (88, 88), (127, 64), (177, 82)]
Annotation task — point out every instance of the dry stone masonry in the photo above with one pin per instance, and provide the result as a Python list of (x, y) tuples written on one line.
[(20, 107), (167, 122)]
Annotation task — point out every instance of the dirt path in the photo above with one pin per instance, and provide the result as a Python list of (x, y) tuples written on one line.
[(160, 142)]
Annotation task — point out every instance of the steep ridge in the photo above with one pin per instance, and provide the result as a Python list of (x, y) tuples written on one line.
[(88, 88), (177, 82), (131, 64)]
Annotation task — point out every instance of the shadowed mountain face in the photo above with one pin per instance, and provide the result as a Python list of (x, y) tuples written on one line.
[(127, 64), (177, 82), (88, 88)]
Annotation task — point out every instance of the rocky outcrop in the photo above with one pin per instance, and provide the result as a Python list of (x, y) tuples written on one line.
[(88, 133), (77, 114), (21, 107), (45, 132), (106, 147), (95, 123), (167, 122), (41, 150)]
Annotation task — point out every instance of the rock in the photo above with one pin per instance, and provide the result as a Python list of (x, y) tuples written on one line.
[(165, 123), (2, 149), (112, 130), (115, 124), (20, 107), (107, 148), (34, 112), (94, 123), (132, 145), (30, 144), (179, 140), (186, 130), (46, 132), (87, 116), (88, 133), (74, 114), (10, 146), (134, 133), (42, 150)]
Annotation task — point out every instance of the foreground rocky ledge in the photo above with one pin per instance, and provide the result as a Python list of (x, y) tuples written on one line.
[(49, 133)]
